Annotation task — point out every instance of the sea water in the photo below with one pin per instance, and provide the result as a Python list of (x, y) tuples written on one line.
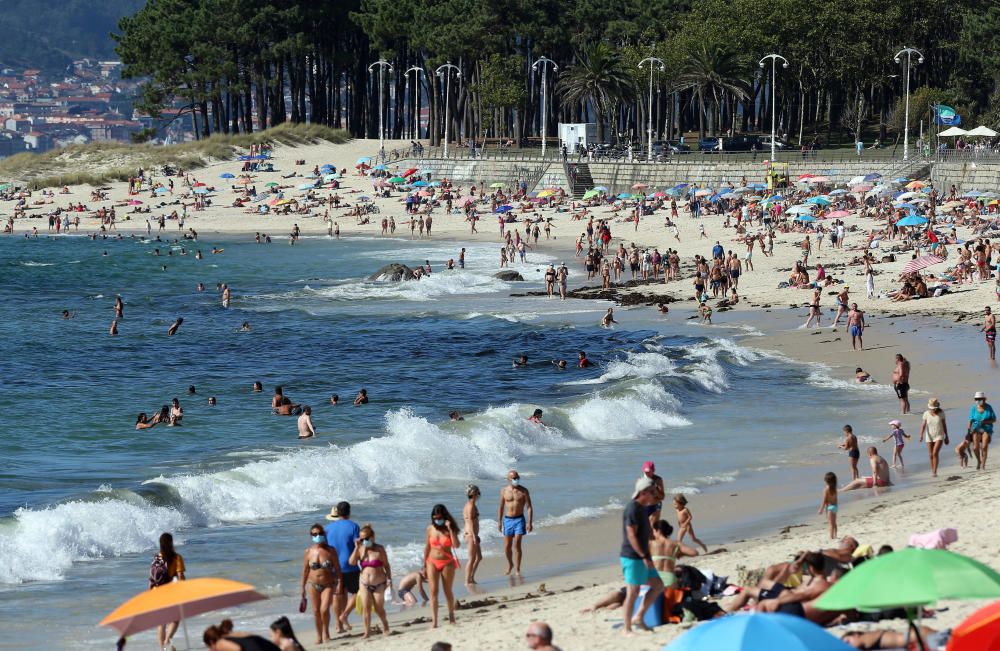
[(84, 496)]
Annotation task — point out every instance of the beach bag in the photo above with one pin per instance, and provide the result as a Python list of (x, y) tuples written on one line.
[(159, 573)]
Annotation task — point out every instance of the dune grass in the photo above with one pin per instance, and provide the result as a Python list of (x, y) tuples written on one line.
[(96, 163)]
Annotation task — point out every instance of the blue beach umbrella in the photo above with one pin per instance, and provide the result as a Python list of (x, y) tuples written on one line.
[(201, 190), (624, 195), (819, 201), (901, 179), (599, 188), (419, 184), (307, 186), (805, 218), (161, 190), (758, 632), (775, 197), (757, 186), (873, 176), (380, 168), (672, 192), (226, 175), (838, 192), (911, 220), (503, 209)]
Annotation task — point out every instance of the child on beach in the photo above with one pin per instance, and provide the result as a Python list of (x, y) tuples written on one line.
[(962, 451), (861, 376), (897, 433), (829, 503), (684, 527)]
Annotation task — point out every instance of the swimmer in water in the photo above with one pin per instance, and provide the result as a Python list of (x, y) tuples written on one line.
[(286, 408), (583, 361), (560, 364), (257, 387), (201, 287), (362, 398), (212, 401), (306, 429), (861, 376), (609, 318), (114, 327), (172, 330), (143, 422), (245, 327), (68, 315), (536, 417), (520, 362), (334, 399), (455, 416), (663, 308)]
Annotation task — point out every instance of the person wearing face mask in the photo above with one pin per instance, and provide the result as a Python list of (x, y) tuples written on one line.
[(440, 559), (515, 503), (376, 575), (321, 580)]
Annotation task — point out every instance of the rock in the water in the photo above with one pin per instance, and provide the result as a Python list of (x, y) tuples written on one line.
[(394, 272), (509, 276)]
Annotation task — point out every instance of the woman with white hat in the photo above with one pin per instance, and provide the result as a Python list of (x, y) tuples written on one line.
[(981, 419), (935, 428)]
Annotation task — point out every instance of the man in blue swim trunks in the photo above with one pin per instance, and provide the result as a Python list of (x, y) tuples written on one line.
[(637, 565), (515, 502), (856, 326)]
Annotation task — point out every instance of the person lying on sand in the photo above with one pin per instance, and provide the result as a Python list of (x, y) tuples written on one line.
[(772, 597), (883, 639)]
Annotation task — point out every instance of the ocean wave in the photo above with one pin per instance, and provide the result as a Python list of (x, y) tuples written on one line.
[(640, 409), (821, 378), (438, 284), (32, 263), (578, 514)]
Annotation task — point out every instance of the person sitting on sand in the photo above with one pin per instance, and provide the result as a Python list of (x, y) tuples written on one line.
[(413, 581), (880, 474), (772, 597)]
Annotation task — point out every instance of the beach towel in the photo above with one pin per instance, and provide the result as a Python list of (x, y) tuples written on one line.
[(939, 539)]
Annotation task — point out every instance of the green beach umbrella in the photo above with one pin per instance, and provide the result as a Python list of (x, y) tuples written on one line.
[(909, 578), (397, 179), (590, 193), (272, 184)]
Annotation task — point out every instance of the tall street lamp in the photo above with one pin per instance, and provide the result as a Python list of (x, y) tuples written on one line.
[(544, 62), (657, 62), (444, 71), (774, 109), (415, 116), (909, 52), (381, 64)]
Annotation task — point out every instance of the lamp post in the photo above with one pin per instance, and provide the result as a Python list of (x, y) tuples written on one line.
[(544, 62), (649, 130), (444, 70), (774, 109), (381, 64), (415, 116), (909, 52)]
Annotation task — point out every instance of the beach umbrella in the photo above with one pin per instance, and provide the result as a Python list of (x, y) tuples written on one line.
[(433, 184), (837, 193), (972, 194), (911, 220), (160, 191), (412, 170), (246, 180), (270, 184), (640, 186), (496, 185), (801, 209), (397, 180), (819, 201), (901, 180), (201, 190), (774, 197), (980, 630), (757, 632), (984, 132), (656, 195), (911, 577), (177, 601), (672, 192), (864, 187), (819, 179), (600, 188), (904, 205), (503, 209), (704, 192), (331, 177), (589, 194), (306, 186), (757, 186), (227, 175), (728, 195), (922, 262), (419, 184), (364, 160), (805, 176), (989, 195), (838, 214), (547, 193), (916, 185), (380, 168), (624, 195), (805, 218), (135, 202)]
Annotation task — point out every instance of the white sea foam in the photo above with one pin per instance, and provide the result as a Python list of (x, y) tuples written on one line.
[(578, 514), (32, 263), (641, 409), (427, 288)]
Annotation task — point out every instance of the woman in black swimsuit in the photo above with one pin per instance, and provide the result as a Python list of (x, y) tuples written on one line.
[(321, 577), (222, 638)]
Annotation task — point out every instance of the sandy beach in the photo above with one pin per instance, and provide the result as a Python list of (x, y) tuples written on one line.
[(947, 354)]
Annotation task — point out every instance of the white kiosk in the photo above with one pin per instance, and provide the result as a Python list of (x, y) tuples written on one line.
[(577, 136)]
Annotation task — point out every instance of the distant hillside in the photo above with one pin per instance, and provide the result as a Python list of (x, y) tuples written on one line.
[(51, 33)]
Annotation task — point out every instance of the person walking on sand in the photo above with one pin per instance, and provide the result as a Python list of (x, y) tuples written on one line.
[(562, 275), (341, 534), (440, 559), (814, 309), (166, 567), (981, 419), (880, 474), (321, 580), (649, 470), (856, 326), (841, 299), (900, 437), (635, 557), (514, 520), (901, 382), (850, 444), (470, 517), (684, 522), (829, 503), (990, 328), (934, 426), (376, 576)]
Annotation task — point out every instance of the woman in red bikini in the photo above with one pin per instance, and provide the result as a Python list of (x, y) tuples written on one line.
[(376, 575), (440, 559)]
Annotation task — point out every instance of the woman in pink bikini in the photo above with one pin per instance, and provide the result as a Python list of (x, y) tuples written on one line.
[(440, 559), (376, 576)]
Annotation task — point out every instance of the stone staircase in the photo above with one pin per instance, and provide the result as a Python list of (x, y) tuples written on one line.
[(579, 177)]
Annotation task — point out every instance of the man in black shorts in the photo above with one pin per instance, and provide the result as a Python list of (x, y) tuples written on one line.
[(901, 382)]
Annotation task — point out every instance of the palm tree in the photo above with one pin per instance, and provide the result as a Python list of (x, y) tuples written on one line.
[(714, 72), (599, 78)]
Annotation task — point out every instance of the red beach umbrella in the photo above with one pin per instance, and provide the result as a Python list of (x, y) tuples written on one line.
[(922, 262), (981, 630)]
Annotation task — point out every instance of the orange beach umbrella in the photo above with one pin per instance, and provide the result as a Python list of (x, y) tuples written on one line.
[(176, 601), (980, 631)]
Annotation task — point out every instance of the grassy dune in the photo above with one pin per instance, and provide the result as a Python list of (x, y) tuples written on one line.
[(96, 163)]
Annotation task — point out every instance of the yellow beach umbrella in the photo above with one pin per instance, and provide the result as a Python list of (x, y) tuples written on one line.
[(176, 601)]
